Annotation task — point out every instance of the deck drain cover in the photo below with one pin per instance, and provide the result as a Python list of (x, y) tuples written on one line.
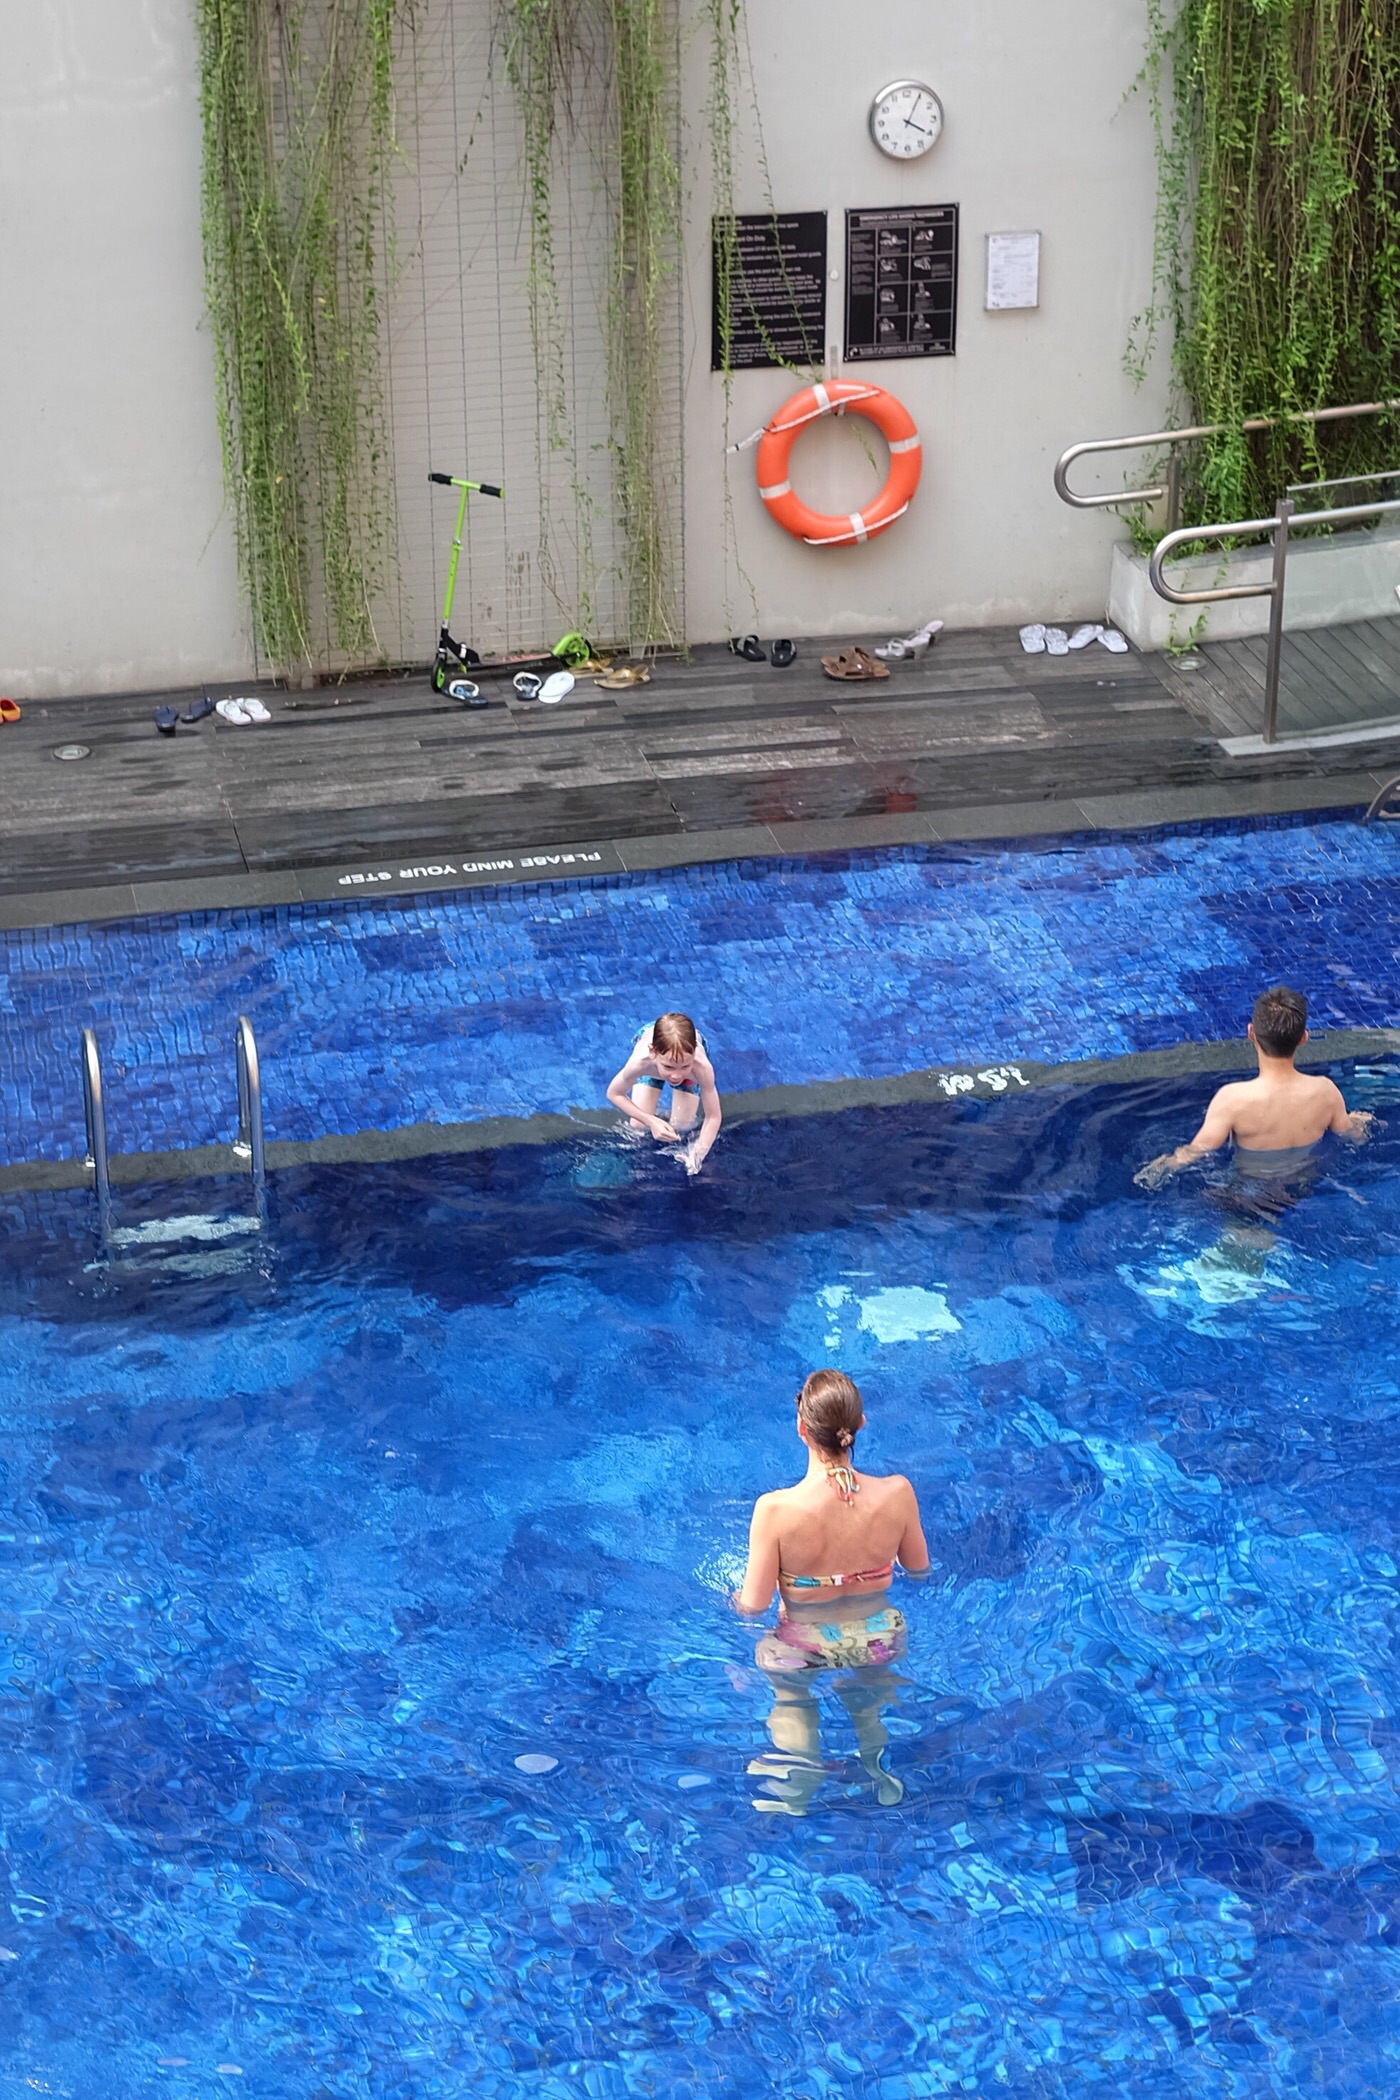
[(72, 750)]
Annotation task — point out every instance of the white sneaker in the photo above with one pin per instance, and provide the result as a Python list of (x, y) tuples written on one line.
[(233, 711), (555, 687), (1056, 641), (1033, 639), (1113, 640), (254, 709), (1082, 636)]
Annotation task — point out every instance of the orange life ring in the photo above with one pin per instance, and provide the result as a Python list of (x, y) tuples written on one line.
[(828, 398)]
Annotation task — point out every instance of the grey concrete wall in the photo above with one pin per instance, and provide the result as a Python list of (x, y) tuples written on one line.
[(116, 558), (1042, 131)]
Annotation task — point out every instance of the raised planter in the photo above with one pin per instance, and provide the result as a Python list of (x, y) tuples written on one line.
[(1355, 576)]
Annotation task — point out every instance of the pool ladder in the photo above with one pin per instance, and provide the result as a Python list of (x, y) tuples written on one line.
[(1386, 807), (247, 1145)]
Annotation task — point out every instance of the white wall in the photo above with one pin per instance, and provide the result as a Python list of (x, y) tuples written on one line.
[(1041, 131), (116, 557)]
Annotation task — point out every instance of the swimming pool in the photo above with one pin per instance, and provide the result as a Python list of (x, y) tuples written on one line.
[(373, 1724), (376, 1013)]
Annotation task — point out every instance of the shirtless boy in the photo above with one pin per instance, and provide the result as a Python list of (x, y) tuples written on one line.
[(1276, 1120), (671, 1053)]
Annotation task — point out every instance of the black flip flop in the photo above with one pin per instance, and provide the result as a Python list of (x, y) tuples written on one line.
[(198, 709), (166, 718), (749, 647), (782, 654)]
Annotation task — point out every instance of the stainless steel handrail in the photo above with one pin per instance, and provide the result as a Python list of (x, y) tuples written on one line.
[(249, 1141), (1284, 522), (1149, 440), (1378, 813), (95, 1121)]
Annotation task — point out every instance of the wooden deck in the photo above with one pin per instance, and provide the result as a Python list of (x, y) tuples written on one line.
[(714, 746), (1329, 678)]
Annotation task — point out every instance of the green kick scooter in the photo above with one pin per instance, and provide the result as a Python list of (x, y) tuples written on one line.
[(456, 666)]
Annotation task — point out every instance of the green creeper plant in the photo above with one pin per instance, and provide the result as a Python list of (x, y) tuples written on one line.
[(628, 52), (1278, 236), (297, 103)]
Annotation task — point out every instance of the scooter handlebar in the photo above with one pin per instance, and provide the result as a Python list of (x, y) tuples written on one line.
[(452, 481)]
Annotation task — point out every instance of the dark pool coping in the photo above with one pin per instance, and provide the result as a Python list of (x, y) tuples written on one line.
[(410, 874), (945, 1083)]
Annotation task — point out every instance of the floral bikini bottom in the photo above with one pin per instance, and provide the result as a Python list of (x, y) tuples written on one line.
[(854, 1643)]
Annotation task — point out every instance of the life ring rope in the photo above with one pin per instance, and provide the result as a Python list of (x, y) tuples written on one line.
[(833, 397)]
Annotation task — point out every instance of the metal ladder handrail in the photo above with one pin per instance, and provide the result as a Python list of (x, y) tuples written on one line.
[(1171, 488), (1285, 521), (1378, 813), (95, 1122), (249, 1142)]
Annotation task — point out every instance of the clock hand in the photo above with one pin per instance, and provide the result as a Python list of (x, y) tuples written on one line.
[(910, 125)]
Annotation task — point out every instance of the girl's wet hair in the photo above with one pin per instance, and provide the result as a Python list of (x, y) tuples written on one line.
[(831, 1411), (674, 1035)]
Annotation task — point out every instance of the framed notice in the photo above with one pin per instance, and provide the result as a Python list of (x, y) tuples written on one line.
[(1013, 272), (776, 294), (901, 282)]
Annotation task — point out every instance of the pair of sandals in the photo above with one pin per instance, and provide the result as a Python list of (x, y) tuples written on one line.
[(10, 710), (548, 691), (1039, 640), (854, 665), (241, 713), (753, 652), (904, 651)]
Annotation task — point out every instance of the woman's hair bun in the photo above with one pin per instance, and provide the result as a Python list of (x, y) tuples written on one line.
[(829, 1404)]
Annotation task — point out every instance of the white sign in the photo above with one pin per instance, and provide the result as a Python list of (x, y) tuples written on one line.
[(1013, 271)]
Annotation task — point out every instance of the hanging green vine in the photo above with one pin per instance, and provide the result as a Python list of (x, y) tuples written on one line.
[(541, 42), (1278, 235), (624, 56), (298, 112)]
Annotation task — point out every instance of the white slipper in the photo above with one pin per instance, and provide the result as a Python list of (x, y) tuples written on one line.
[(233, 711), (527, 685), (555, 686), (254, 709), (1056, 641), (1082, 636), (898, 652), (1113, 640), (1033, 640)]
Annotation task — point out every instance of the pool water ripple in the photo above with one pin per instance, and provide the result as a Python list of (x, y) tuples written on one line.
[(365, 1638)]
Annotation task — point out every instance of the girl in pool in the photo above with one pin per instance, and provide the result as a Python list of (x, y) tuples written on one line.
[(830, 1545), (671, 1053)]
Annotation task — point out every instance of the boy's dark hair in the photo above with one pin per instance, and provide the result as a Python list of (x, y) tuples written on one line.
[(1280, 1021)]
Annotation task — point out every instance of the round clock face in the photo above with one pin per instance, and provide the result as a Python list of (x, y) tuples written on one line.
[(906, 119)]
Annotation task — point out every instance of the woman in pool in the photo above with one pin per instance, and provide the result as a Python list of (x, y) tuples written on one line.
[(670, 1053), (829, 1545)]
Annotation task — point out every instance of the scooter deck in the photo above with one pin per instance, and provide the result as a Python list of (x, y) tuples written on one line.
[(503, 666)]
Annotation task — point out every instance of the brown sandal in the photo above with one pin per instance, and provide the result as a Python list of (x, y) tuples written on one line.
[(854, 664)]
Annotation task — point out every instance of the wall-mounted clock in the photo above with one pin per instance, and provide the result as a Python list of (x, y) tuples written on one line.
[(906, 119)]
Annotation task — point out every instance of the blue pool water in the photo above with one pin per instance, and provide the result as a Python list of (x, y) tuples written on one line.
[(314, 1535), (503, 1002)]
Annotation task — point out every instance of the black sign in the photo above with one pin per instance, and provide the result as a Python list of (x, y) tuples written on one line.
[(902, 282), (776, 268)]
